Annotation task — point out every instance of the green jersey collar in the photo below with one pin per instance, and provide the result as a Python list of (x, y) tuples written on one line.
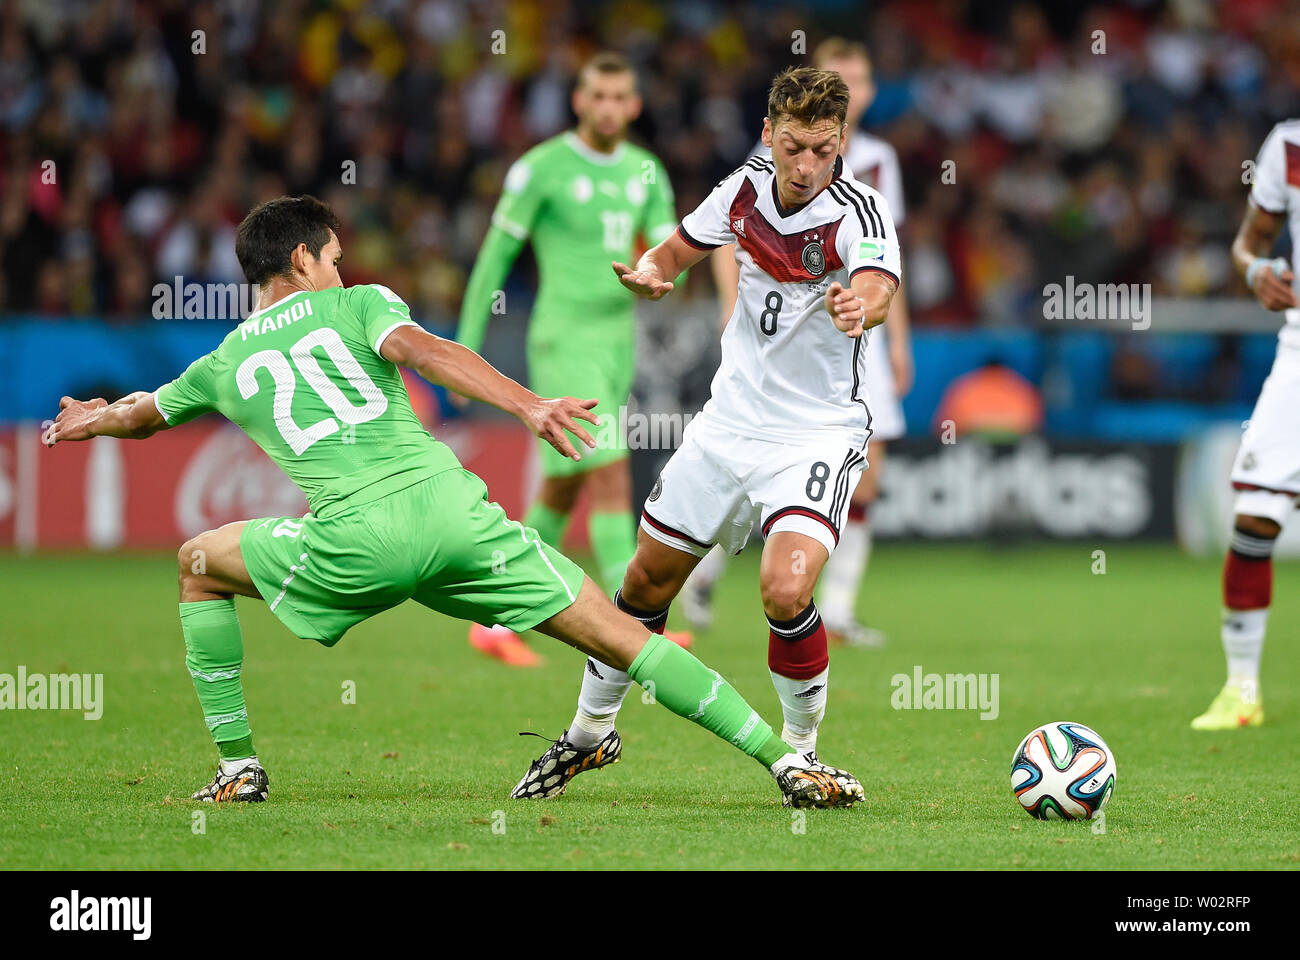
[(595, 156)]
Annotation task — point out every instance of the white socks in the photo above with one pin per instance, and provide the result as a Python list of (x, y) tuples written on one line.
[(231, 767), (603, 690), (1243, 643), (803, 703), (837, 588)]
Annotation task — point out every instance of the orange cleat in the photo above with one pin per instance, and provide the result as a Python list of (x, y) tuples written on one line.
[(682, 638), (503, 644)]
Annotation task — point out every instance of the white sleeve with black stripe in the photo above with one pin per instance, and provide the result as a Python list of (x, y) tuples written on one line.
[(867, 239), (709, 225)]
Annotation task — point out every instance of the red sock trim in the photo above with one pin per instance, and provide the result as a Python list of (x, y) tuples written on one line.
[(1247, 582), (798, 659)]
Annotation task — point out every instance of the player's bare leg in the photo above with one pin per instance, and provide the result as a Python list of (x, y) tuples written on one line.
[(211, 572), (211, 566), (1247, 595), (846, 568), (797, 646), (650, 583), (684, 685), (614, 534)]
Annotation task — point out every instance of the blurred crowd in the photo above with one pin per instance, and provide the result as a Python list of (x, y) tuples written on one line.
[(1107, 141)]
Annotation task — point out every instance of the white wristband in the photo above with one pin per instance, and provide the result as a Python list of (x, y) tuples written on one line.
[(1278, 265)]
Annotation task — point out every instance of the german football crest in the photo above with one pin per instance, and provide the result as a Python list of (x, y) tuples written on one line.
[(814, 257)]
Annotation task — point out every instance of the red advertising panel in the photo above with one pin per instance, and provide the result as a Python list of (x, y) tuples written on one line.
[(156, 493)]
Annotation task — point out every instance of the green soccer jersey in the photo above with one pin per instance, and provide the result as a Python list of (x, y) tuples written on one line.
[(304, 379), (581, 210)]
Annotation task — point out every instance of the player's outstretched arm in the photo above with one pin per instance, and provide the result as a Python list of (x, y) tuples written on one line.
[(1270, 280), (862, 305), (649, 278), (451, 365), (134, 417)]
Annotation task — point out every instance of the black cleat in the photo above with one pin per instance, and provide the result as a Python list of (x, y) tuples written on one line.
[(550, 773), (814, 784), (249, 785)]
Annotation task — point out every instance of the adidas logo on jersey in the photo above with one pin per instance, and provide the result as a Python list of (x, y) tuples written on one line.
[(738, 227)]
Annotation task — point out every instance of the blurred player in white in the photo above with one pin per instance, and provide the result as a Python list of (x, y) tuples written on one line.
[(1266, 473), (888, 368), (783, 438)]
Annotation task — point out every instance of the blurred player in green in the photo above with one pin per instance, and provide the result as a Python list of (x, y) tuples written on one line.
[(582, 198), (312, 377)]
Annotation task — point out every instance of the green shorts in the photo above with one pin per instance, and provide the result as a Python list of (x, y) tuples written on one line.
[(440, 542), (556, 369)]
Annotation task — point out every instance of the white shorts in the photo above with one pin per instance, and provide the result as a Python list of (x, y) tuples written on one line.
[(719, 484), (1268, 460), (887, 421)]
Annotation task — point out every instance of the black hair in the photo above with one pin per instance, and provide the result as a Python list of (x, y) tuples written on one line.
[(265, 241)]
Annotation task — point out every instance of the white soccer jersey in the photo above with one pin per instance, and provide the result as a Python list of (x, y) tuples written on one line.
[(874, 161), (787, 373), (1277, 190)]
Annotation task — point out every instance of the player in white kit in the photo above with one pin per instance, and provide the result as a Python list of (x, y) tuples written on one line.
[(783, 438), (1266, 473), (888, 369)]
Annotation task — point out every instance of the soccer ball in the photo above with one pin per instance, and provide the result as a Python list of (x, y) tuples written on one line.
[(1063, 771)]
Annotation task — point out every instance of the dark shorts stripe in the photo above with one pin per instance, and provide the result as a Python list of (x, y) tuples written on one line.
[(803, 512), (664, 528)]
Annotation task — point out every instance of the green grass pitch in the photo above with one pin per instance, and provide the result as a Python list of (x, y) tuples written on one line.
[(416, 772)]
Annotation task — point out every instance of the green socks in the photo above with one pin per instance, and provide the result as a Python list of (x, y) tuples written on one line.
[(613, 538), (214, 653), (548, 523), (690, 689)]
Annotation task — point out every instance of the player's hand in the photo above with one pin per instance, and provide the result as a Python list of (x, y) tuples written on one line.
[(642, 283), (550, 418), (74, 420), (845, 308), (1274, 290), (900, 364)]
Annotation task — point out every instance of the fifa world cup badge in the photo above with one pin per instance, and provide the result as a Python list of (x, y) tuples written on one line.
[(814, 258)]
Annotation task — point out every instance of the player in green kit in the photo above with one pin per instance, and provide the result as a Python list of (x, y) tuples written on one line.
[(312, 377), (582, 198)]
